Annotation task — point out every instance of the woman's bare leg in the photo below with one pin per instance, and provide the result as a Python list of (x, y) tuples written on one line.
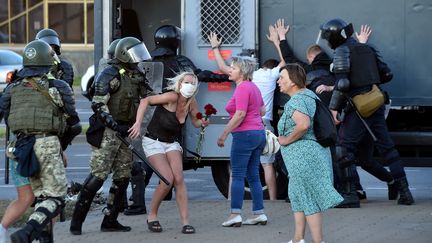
[(176, 162), (300, 225), (18, 207), (315, 226), (160, 163)]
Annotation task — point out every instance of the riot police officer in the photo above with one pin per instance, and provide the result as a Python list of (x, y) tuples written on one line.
[(64, 69), (38, 110), (358, 68), (118, 90)]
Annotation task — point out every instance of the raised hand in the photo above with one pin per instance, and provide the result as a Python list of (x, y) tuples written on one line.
[(273, 35), (281, 29), (365, 32), (214, 41)]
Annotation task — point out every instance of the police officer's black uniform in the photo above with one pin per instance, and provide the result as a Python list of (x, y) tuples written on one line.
[(357, 68)]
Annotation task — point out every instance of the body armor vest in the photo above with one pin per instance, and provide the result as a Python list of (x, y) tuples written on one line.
[(32, 112), (123, 104), (364, 69)]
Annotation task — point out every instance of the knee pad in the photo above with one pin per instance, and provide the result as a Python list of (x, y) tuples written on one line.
[(92, 184)]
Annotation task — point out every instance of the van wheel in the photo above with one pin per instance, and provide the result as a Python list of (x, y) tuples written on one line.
[(221, 174)]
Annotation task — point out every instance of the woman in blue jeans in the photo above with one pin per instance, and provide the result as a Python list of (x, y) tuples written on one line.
[(245, 108)]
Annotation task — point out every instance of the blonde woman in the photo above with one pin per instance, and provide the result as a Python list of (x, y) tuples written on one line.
[(161, 144)]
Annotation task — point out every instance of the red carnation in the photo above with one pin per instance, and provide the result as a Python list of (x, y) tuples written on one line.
[(208, 106), (199, 115)]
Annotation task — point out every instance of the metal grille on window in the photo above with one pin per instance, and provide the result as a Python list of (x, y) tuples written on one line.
[(222, 17)]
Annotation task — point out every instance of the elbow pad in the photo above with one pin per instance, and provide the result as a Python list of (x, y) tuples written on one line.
[(343, 85), (341, 60)]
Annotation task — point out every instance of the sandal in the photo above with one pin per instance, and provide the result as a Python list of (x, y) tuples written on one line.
[(154, 226), (188, 229)]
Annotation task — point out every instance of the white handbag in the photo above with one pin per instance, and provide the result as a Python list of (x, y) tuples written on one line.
[(272, 145)]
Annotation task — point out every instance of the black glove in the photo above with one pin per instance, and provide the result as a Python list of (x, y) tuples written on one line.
[(123, 130), (108, 120)]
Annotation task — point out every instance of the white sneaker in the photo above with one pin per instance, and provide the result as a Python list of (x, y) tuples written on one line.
[(301, 241), (261, 219)]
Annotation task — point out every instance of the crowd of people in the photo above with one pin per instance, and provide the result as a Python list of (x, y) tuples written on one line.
[(40, 110)]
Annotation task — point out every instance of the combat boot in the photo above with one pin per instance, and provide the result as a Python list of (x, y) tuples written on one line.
[(351, 200), (24, 235), (110, 223), (405, 197), (138, 193), (91, 185), (115, 200)]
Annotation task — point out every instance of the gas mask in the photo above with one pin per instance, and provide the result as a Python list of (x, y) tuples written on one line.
[(187, 90)]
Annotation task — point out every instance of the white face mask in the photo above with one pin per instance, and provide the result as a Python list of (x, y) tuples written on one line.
[(187, 90)]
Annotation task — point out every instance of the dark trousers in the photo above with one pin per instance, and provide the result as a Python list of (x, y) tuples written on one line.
[(352, 132)]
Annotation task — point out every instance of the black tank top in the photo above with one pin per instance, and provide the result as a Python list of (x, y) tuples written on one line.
[(164, 126)]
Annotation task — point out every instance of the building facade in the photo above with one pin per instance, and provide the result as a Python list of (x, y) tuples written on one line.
[(20, 20)]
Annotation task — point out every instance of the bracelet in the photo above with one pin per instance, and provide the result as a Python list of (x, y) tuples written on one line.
[(215, 47)]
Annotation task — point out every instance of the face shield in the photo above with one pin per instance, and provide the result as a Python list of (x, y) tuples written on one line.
[(51, 40), (138, 53)]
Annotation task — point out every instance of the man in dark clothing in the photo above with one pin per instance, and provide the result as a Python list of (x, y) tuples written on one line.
[(320, 80), (358, 70)]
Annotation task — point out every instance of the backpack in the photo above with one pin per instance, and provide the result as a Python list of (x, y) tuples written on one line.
[(324, 127)]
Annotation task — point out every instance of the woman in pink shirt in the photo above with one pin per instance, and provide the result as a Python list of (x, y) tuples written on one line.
[(245, 108)]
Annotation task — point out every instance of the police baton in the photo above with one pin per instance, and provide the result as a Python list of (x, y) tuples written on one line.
[(131, 148), (7, 158), (363, 121)]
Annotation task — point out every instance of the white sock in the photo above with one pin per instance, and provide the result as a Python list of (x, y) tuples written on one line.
[(2, 229), (3, 234)]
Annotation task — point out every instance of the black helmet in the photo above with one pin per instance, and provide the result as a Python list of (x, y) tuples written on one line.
[(51, 37), (131, 50), (168, 36), (336, 32), (112, 47)]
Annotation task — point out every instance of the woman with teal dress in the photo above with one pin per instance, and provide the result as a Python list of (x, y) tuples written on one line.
[(309, 168)]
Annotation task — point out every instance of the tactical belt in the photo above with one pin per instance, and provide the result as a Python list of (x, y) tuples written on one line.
[(149, 135), (36, 134)]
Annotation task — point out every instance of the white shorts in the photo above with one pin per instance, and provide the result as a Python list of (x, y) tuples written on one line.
[(268, 158), (152, 147)]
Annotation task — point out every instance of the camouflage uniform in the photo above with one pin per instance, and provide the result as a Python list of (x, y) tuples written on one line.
[(118, 90), (40, 107)]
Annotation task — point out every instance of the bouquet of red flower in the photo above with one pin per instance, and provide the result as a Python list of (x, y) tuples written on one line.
[(209, 110)]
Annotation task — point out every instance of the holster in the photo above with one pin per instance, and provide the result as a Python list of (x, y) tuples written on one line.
[(95, 131)]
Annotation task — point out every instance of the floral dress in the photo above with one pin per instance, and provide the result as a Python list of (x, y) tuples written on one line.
[(309, 166)]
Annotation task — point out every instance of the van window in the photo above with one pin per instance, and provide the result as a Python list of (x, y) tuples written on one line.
[(222, 17)]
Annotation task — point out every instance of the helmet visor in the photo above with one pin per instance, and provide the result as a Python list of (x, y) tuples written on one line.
[(139, 53), (51, 40)]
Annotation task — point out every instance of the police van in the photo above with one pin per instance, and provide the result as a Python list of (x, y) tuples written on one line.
[(398, 33)]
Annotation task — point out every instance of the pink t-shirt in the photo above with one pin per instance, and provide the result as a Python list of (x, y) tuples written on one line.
[(247, 97)]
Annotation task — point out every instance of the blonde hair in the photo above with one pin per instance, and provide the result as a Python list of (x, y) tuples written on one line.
[(314, 50), (175, 83), (246, 64)]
